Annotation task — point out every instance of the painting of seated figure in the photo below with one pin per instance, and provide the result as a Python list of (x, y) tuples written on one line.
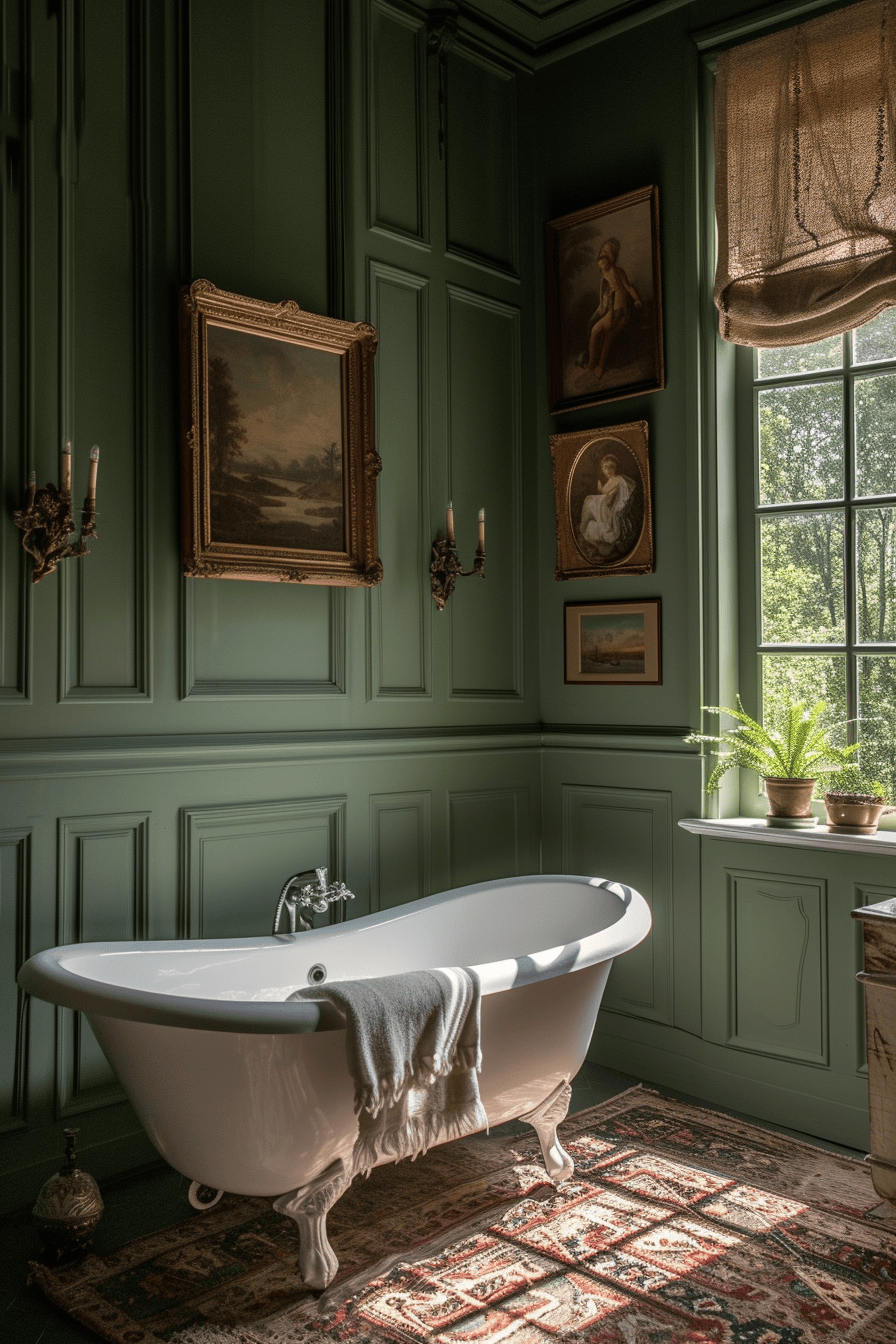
[(604, 302)]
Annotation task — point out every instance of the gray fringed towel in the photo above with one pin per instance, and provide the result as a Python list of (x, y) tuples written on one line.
[(412, 1044)]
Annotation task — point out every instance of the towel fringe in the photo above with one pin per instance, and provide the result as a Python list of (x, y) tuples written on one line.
[(415, 1135)]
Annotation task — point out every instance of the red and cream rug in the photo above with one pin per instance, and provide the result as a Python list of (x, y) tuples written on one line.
[(680, 1226)]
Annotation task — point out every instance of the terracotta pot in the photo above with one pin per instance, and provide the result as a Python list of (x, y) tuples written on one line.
[(789, 797), (853, 811)]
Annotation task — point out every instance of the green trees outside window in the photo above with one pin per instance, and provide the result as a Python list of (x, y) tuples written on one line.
[(824, 510)]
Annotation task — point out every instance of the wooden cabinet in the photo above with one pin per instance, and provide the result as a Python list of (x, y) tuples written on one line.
[(879, 979)]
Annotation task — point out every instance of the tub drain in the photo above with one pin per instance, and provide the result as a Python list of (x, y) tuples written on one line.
[(317, 975)]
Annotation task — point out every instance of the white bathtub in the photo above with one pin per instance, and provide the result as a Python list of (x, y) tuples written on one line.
[(243, 1092)]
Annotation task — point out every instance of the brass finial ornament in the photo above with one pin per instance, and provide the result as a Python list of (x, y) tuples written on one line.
[(445, 568), (68, 1208), (47, 519)]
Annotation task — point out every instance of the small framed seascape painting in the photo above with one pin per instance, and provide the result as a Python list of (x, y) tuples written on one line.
[(278, 456), (603, 502), (612, 643), (604, 302)]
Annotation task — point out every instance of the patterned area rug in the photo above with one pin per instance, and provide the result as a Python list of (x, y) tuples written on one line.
[(680, 1226)]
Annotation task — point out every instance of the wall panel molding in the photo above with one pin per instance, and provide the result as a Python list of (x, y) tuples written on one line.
[(400, 608), (272, 687), (775, 924), (17, 375), (105, 604), (482, 175), (15, 911), (489, 834), (397, 140), (102, 895), (66, 758), (336, 55), (400, 847), (484, 408), (235, 859), (625, 834)]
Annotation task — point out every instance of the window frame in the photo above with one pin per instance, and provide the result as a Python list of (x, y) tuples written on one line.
[(729, 576)]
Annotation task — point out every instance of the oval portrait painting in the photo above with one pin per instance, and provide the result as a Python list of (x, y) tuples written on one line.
[(606, 501)]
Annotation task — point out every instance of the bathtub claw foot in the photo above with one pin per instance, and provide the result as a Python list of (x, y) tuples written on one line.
[(308, 1207), (544, 1119)]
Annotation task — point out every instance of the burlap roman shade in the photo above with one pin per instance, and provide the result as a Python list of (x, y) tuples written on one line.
[(806, 178)]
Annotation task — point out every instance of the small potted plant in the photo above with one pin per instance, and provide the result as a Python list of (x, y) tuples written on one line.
[(787, 756), (855, 802)]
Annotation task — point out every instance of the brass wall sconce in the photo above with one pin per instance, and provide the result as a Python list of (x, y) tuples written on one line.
[(47, 519), (445, 568)]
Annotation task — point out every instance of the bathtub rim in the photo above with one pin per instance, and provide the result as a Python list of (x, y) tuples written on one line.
[(45, 977)]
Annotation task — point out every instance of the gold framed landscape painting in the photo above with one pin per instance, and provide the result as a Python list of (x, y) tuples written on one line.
[(603, 502), (278, 454), (612, 643), (604, 302)]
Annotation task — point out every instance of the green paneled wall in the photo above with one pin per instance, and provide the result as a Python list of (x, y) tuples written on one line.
[(174, 749)]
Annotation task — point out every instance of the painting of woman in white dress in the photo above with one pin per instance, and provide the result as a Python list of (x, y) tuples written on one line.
[(603, 501), (608, 522)]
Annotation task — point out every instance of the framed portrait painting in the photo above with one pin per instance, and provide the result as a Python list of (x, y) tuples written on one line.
[(604, 302), (603, 502), (612, 643), (278, 456)]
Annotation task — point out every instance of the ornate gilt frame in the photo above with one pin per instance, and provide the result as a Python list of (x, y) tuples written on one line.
[(355, 562), (576, 460)]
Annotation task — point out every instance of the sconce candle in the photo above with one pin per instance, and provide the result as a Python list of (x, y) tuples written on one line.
[(445, 568), (46, 520), (94, 465), (65, 485)]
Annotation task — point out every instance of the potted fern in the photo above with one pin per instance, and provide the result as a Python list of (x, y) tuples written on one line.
[(788, 756)]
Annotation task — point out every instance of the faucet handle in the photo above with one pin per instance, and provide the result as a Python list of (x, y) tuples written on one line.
[(321, 878)]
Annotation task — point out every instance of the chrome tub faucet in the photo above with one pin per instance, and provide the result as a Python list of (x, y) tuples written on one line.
[(315, 895)]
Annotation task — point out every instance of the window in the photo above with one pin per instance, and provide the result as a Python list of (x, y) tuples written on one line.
[(822, 531)]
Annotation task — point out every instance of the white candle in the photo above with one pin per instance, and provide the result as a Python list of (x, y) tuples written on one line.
[(65, 485), (32, 487), (482, 529), (451, 522), (94, 464)]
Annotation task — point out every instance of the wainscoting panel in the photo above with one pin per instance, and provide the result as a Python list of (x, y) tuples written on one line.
[(481, 170), (401, 606), (485, 454), (102, 883), (396, 122), (488, 835), (262, 640), (235, 858), (775, 981), (104, 283), (400, 848), (15, 854), (626, 835)]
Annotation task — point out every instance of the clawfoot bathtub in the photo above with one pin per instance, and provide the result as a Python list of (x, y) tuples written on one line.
[(241, 1091)]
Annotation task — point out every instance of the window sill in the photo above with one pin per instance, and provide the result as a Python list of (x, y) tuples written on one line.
[(822, 837)]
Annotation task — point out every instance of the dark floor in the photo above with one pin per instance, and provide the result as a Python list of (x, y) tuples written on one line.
[(157, 1197)]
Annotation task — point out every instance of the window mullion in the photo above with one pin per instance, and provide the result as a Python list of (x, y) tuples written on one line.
[(849, 536)]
